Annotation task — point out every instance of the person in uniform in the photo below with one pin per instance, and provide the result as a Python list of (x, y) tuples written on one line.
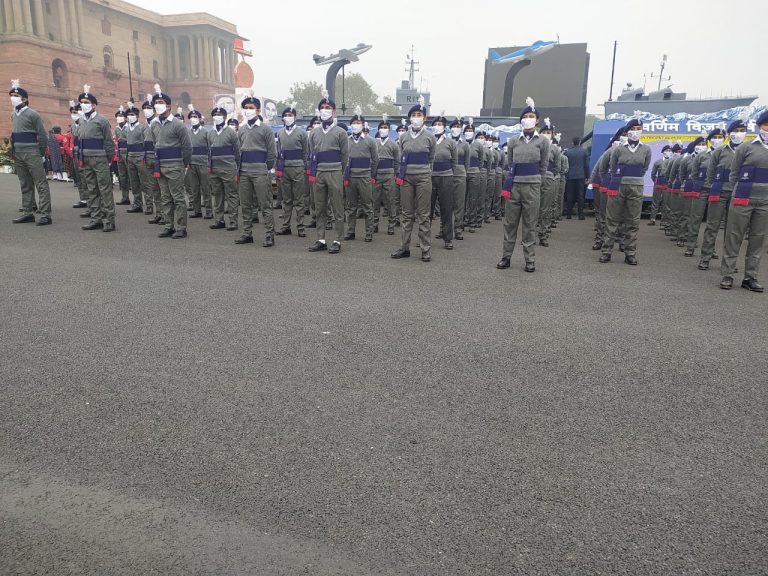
[(699, 193), (657, 177), (748, 214), (548, 185), (122, 151), (667, 193), (686, 186), (258, 153), (76, 115), (329, 153), (152, 202), (28, 142), (720, 190), (490, 179), (459, 178), (628, 165), (309, 186), (233, 124), (173, 152), (198, 180), (672, 228), (528, 158), (475, 176), (134, 157), (446, 158), (292, 152), (223, 158), (565, 166), (359, 173), (417, 153), (389, 165), (600, 182), (96, 151)]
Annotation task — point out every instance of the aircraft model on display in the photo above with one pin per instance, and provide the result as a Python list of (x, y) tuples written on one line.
[(350, 54), (535, 49)]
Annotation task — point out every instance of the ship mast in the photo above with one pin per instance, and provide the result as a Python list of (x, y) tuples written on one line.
[(661, 71), (411, 68)]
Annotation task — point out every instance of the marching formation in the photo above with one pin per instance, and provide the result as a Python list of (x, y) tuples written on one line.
[(334, 176)]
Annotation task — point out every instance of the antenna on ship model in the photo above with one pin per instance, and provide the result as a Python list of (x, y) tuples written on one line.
[(661, 72)]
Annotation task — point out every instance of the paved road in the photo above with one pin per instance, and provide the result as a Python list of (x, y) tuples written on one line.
[(196, 407)]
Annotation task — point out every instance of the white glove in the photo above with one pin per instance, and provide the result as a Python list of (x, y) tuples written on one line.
[(589, 187)]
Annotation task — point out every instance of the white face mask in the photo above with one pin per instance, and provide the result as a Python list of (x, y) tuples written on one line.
[(468, 136), (737, 137), (75, 117), (289, 120), (315, 125), (700, 149), (148, 113), (161, 108), (132, 119), (218, 120), (233, 127), (528, 123), (15, 101), (667, 154), (455, 132), (481, 141), (326, 114), (194, 121), (622, 139), (120, 119), (250, 114), (383, 132), (417, 122), (717, 143), (357, 128), (634, 135), (86, 108), (495, 146), (764, 136), (438, 130)]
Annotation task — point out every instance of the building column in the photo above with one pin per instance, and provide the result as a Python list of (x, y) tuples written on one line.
[(201, 57), (216, 60), (6, 24), (18, 17), (27, 14), (61, 7), (39, 19), (73, 27), (211, 59), (80, 25), (176, 58)]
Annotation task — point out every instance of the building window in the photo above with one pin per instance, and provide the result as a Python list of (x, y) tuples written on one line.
[(137, 65), (153, 40), (186, 100), (135, 34), (59, 72), (108, 60), (106, 27), (155, 70), (47, 7)]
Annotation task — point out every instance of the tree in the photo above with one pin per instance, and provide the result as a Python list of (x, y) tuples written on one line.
[(356, 92)]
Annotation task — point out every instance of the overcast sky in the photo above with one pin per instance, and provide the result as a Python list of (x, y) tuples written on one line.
[(708, 54)]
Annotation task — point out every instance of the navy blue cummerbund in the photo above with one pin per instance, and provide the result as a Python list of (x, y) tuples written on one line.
[(328, 157), (417, 158), (169, 154), (526, 169), (136, 147), (91, 144), (551, 167), (149, 146), (460, 159), (226, 151), (252, 156), (122, 144), (199, 151), (722, 174), (360, 163), (441, 166), (297, 154), (758, 176), (385, 164), (474, 163), (24, 137), (632, 170)]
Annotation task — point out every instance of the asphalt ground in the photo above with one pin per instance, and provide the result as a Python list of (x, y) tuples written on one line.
[(195, 407)]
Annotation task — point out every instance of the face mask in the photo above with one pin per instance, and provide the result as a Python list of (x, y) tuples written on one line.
[(357, 128), (120, 120), (132, 119), (481, 141), (495, 146), (315, 125), (161, 108), (547, 136), (383, 132), (417, 122), (717, 143), (233, 127), (249, 114), (218, 120), (86, 108), (194, 121), (326, 114), (528, 123), (289, 120), (667, 154), (737, 137), (700, 149), (634, 135), (438, 130), (622, 139), (455, 132), (469, 135), (764, 136), (15, 101), (148, 113), (75, 117)]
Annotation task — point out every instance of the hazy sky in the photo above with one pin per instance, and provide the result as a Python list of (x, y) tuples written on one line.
[(707, 54)]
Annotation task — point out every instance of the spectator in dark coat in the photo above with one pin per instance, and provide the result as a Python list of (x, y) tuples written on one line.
[(578, 170)]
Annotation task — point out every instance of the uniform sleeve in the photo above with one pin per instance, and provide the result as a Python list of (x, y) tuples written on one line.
[(109, 144), (544, 157), (712, 168), (396, 156), (655, 171), (558, 163), (612, 160), (647, 162), (344, 147), (305, 147), (737, 163), (454, 154), (186, 145), (42, 136), (374, 156), (271, 149)]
